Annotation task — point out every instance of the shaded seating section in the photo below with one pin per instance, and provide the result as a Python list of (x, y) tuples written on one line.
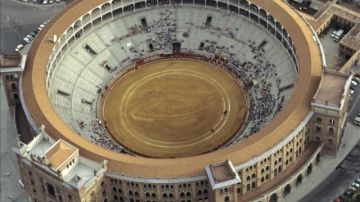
[(84, 71)]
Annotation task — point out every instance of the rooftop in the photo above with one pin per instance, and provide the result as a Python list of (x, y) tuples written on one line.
[(82, 172), (59, 153), (328, 12), (75, 170), (222, 174), (10, 62), (331, 88)]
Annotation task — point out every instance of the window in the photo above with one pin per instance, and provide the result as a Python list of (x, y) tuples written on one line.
[(50, 189), (318, 119), (331, 130), (318, 128), (331, 121), (226, 198)]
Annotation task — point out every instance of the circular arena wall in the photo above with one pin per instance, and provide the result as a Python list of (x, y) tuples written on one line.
[(270, 139)]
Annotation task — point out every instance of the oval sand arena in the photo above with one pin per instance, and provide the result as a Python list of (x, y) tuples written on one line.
[(175, 108)]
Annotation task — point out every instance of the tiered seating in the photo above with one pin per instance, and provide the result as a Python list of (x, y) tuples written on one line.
[(255, 56)]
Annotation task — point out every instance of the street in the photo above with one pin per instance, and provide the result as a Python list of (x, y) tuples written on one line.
[(348, 170), (17, 19), (20, 18)]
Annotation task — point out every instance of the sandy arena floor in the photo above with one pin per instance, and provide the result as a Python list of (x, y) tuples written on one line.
[(175, 108)]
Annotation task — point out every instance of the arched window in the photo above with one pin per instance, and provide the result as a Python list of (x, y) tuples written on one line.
[(274, 197), (227, 198), (253, 185), (50, 189)]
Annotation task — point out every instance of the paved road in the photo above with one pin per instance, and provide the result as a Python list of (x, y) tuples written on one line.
[(17, 19), (338, 180), (347, 170), (354, 103)]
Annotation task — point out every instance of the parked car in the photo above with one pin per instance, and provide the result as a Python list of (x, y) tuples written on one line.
[(355, 185), (45, 2), (29, 37), (357, 121), (57, 1), (348, 193), (19, 47), (358, 180), (344, 197), (27, 40), (33, 34), (354, 83), (356, 79)]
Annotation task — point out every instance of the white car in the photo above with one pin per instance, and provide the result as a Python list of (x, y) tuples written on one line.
[(356, 185), (356, 79), (27, 40), (357, 121), (354, 83), (45, 2), (19, 47), (29, 37), (351, 92), (333, 34)]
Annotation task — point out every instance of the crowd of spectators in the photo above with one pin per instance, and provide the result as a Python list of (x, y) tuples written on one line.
[(99, 135), (254, 68)]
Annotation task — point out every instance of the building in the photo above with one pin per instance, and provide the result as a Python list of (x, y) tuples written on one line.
[(55, 171), (263, 166), (12, 64), (330, 106)]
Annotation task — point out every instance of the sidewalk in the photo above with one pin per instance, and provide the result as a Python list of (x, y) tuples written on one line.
[(10, 189), (327, 165)]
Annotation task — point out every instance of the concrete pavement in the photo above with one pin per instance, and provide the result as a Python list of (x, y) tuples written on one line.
[(332, 175), (9, 172), (17, 19)]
